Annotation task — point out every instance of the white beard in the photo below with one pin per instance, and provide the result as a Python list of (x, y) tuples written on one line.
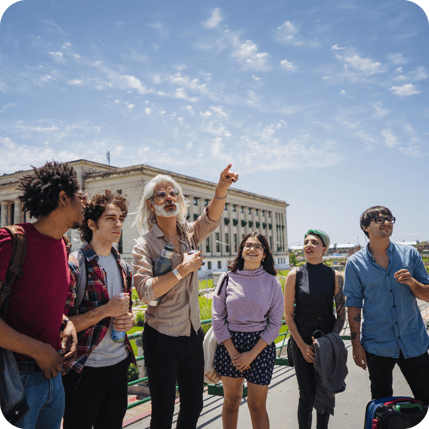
[(160, 211)]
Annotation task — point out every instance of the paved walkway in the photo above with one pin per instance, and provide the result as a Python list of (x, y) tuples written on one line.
[(283, 402)]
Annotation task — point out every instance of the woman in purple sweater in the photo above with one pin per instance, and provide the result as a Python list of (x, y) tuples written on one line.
[(247, 314)]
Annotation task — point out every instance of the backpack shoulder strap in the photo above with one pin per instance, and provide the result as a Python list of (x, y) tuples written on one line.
[(224, 282), (17, 257), (81, 282), (68, 244)]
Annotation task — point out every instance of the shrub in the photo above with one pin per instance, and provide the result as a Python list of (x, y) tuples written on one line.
[(139, 319), (135, 295), (133, 373)]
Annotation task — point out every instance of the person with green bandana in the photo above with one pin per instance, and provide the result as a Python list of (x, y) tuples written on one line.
[(313, 288)]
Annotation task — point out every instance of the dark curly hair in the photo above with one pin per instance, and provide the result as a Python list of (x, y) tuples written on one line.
[(96, 206), (370, 214), (41, 189), (267, 263)]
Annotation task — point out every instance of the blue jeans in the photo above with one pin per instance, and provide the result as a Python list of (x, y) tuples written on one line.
[(45, 399)]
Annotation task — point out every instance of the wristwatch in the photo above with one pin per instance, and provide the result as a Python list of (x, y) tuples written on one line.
[(177, 274)]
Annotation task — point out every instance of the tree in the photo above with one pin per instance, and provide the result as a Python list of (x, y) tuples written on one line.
[(293, 259)]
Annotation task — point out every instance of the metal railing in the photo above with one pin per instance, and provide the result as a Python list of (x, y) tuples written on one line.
[(279, 352)]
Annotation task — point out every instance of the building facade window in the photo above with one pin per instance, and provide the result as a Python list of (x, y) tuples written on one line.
[(250, 210), (234, 208), (195, 201), (263, 212), (242, 209), (256, 212), (219, 264), (206, 203), (119, 191), (235, 243), (208, 244), (12, 214), (209, 265), (226, 206), (217, 242)]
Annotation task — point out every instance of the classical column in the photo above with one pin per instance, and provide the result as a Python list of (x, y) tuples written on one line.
[(18, 211), (4, 212)]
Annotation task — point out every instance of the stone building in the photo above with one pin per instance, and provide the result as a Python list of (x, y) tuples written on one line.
[(244, 211)]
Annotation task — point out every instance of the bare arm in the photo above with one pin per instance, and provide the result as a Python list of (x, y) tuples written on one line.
[(289, 301), (216, 206), (340, 303), (116, 307), (48, 359), (420, 290), (359, 355)]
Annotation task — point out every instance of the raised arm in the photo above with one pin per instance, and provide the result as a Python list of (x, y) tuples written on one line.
[(289, 301), (340, 303), (217, 204)]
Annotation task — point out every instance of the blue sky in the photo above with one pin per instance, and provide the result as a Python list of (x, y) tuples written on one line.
[(321, 104)]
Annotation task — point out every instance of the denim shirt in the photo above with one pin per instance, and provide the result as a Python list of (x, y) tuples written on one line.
[(391, 317)]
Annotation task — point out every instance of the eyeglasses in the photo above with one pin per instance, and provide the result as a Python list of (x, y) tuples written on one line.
[(162, 195), (380, 220), (257, 247), (83, 197)]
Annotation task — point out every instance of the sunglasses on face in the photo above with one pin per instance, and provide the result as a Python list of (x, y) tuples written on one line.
[(82, 197), (162, 195), (380, 220)]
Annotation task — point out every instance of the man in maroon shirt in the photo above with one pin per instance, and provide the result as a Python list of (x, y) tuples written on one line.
[(33, 325)]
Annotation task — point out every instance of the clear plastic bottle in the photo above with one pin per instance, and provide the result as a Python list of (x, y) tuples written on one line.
[(163, 264), (118, 336)]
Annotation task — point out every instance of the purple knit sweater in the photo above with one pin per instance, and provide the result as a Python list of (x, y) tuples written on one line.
[(251, 302)]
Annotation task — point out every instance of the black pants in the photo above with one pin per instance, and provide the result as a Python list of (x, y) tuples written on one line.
[(415, 371), (305, 373), (170, 359), (96, 397)]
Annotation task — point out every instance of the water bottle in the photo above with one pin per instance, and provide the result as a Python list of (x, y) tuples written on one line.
[(118, 336), (163, 264)]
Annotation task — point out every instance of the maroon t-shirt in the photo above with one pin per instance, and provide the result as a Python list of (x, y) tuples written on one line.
[(37, 300)]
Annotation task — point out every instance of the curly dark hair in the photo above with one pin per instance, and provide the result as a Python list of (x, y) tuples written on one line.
[(41, 189), (96, 206), (370, 214), (267, 263)]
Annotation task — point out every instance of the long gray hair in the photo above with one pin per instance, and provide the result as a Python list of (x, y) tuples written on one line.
[(146, 218)]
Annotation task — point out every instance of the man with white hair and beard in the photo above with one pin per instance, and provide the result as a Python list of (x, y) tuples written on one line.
[(172, 336)]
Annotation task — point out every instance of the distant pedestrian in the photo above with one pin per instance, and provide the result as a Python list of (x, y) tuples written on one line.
[(33, 324), (172, 335), (385, 279), (97, 380), (247, 314), (313, 288)]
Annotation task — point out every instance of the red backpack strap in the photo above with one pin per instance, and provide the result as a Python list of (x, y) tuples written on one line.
[(17, 257)]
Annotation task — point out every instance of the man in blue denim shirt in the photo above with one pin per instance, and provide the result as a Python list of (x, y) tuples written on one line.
[(385, 279)]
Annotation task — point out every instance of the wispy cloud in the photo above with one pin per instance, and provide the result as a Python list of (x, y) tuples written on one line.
[(396, 58), (247, 53), (405, 90), (287, 65), (390, 139), (214, 20), (364, 65)]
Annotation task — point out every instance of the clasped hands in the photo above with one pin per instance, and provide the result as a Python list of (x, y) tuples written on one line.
[(243, 360)]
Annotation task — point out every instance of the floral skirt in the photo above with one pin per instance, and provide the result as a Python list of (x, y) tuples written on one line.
[(261, 369)]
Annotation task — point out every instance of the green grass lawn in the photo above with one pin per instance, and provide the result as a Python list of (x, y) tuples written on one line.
[(133, 342)]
